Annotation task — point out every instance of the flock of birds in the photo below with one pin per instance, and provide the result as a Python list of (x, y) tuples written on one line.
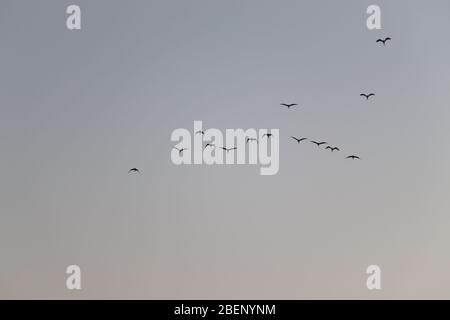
[(320, 143), (328, 146), (367, 96)]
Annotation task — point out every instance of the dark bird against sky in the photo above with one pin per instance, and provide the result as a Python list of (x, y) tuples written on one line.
[(228, 149), (332, 149), (384, 40), (318, 143), (180, 150), (298, 140), (367, 96), (133, 170), (289, 105), (353, 157)]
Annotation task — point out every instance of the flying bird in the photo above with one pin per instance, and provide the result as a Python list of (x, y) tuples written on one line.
[(269, 135), (180, 150), (229, 149), (367, 96), (136, 170), (353, 157), (384, 41), (212, 145), (251, 139), (298, 140), (201, 132), (332, 149), (289, 105), (318, 143)]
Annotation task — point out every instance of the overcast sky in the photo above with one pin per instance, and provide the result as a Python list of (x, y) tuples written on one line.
[(78, 109)]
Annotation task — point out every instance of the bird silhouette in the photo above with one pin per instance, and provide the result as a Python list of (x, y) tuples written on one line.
[(353, 157), (289, 105), (298, 140), (229, 149), (332, 149), (180, 151), (318, 143), (269, 135), (251, 139), (201, 132), (212, 145), (135, 170), (367, 96), (384, 41)]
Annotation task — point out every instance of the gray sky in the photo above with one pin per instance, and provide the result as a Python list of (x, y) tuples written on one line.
[(79, 108)]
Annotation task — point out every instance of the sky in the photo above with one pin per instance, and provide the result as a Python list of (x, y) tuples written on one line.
[(79, 108)]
